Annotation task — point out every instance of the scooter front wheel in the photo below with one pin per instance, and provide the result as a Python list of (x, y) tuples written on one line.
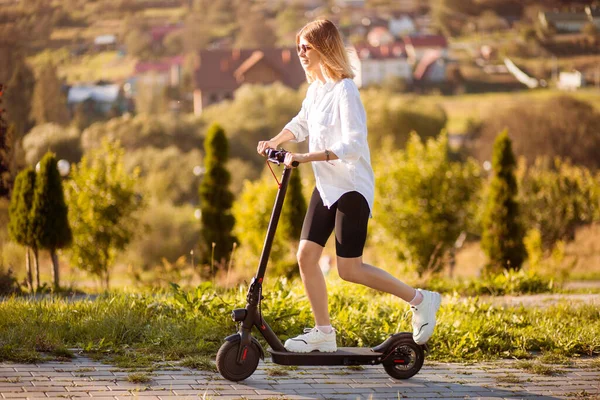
[(227, 361), (405, 360)]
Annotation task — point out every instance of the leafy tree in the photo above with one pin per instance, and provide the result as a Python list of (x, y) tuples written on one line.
[(503, 234), (216, 199), (535, 131), (49, 101), (50, 225), (252, 212), (423, 200), (19, 94), (255, 31), (20, 226), (103, 208), (396, 116), (557, 199)]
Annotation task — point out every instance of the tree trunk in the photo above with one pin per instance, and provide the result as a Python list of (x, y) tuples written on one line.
[(55, 270), (36, 268), (106, 279), (28, 269)]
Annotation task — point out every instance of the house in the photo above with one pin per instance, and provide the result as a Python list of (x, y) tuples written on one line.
[(570, 80), (221, 72), (401, 25), (418, 45), (105, 42), (566, 22), (379, 36), (431, 67), (593, 15), (376, 64), (166, 72), (98, 99)]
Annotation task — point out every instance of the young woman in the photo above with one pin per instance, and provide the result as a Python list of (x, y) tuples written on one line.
[(334, 120)]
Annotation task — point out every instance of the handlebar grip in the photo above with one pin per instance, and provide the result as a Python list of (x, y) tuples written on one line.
[(295, 163)]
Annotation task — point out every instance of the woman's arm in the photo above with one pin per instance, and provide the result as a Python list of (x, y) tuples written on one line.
[(284, 136)]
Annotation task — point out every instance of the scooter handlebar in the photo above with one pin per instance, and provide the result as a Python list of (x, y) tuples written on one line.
[(278, 157)]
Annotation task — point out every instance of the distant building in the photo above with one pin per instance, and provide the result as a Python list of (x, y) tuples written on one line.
[(379, 36), (570, 80), (374, 65), (99, 99), (418, 45), (402, 25), (564, 21), (432, 67), (105, 42), (593, 15), (221, 72)]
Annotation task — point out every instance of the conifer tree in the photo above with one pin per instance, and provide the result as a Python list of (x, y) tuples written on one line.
[(503, 234), (216, 200), (294, 208), (20, 227), (19, 94), (49, 101), (6, 151), (49, 213)]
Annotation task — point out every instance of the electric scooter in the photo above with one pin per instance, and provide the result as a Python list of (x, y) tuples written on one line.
[(238, 357)]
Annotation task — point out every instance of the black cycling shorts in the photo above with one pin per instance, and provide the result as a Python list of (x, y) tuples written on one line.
[(349, 216)]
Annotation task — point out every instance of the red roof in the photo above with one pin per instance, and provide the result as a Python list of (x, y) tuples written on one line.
[(159, 32), (157, 66), (426, 41), (221, 69), (392, 50)]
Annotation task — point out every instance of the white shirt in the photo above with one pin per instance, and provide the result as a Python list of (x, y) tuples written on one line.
[(333, 118)]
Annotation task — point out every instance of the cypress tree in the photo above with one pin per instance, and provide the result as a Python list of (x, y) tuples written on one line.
[(49, 101), (294, 208), (19, 94), (49, 213), (216, 200), (6, 151), (502, 239), (20, 227)]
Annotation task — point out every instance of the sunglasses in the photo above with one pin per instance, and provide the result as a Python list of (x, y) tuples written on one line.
[(303, 48)]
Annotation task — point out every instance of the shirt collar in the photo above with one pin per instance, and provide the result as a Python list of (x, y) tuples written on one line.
[(327, 86)]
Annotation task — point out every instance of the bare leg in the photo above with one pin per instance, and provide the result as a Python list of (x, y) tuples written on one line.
[(354, 270), (309, 254)]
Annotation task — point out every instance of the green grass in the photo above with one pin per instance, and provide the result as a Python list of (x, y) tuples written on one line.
[(536, 367), (138, 331), (202, 363), (139, 377)]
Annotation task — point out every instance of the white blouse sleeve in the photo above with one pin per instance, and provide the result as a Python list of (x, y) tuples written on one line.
[(354, 124), (299, 124)]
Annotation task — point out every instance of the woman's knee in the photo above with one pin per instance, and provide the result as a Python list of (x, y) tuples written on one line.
[(349, 268), (308, 254)]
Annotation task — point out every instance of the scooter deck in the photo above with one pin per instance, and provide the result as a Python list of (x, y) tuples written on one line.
[(343, 356)]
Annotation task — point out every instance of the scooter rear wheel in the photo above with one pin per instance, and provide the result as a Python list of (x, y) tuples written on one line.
[(405, 360), (227, 361)]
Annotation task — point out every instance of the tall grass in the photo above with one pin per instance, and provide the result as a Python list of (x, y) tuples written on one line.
[(178, 324)]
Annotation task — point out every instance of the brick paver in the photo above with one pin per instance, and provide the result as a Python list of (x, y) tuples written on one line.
[(84, 378)]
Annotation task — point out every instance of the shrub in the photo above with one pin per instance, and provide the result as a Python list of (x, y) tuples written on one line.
[(502, 239), (63, 141), (557, 199), (423, 200), (253, 212), (548, 128), (8, 283), (397, 116), (216, 200)]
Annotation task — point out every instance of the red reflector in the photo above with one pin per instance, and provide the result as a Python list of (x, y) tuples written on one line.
[(245, 353), (399, 361)]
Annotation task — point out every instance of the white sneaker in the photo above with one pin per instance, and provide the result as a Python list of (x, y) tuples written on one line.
[(312, 339), (423, 320)]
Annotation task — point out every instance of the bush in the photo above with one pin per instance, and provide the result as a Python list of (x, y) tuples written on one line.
[(8, 283), (559, 127), (423, 201), (253, 211), (166, 232), (184, 132), (166, 174), (557, 199), (63, 141), (398, 116)]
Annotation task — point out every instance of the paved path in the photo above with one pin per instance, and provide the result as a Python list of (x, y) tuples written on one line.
[(83, 377)]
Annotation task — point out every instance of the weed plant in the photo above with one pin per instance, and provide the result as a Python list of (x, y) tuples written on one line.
[(140, 330)]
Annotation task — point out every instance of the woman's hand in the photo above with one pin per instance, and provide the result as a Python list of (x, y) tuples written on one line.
[(264, 145), (291, 157)]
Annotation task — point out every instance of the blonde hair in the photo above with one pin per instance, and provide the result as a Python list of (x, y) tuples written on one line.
[(325, 38)]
